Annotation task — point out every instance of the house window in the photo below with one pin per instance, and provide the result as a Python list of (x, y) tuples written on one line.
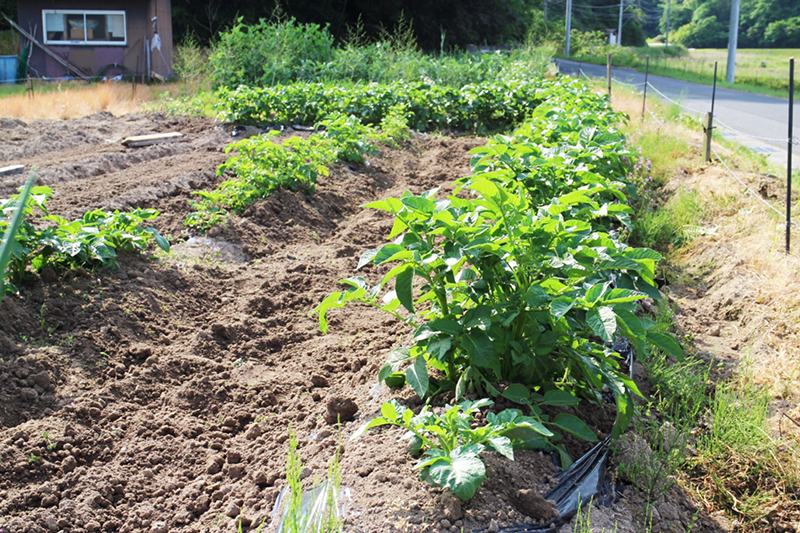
[(66, 26)]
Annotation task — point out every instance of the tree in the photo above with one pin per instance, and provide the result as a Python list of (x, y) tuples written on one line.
[(783, 33), (704, 23), (460, 22)]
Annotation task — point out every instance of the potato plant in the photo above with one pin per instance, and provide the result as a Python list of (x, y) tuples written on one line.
[(481, 108), (89, 242), (520, 275), (263, 166), (450, 444)]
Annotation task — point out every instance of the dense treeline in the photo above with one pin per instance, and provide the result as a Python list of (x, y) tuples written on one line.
[(456, 22), (762, 23), (443, 24)]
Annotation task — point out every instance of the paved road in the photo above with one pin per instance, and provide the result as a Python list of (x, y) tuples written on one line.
[(753, 115)]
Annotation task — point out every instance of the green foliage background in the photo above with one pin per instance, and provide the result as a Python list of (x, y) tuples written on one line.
[(762, 23), (441, 25)]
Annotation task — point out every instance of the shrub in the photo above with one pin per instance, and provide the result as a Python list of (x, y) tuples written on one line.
[(268, 53)]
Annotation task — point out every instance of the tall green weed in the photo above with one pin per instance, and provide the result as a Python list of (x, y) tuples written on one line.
[(269, 52), (279, 52), (10, 220)]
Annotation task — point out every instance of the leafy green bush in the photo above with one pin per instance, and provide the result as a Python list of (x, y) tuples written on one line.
[(272, 53), (268, 53)]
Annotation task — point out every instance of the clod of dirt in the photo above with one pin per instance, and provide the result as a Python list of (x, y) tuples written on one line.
[(253, 432), (69, 464), (531, 503), (220, 330), (319, 381), (140, 351), (42, 379), (340, 410), (451, 507), (48, 275), (214, 464)]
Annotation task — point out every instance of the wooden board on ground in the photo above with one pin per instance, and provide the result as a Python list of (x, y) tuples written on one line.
[(156, 138), (13, 169)]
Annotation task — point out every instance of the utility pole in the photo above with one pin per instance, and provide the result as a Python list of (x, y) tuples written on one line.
[(619, 30), (569, 26), (733, 40), (669, 7)]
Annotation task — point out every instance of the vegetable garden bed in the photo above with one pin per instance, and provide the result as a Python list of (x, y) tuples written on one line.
[(160, 397)]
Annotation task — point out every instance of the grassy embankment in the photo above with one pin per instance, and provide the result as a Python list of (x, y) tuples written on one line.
[(725, 429)]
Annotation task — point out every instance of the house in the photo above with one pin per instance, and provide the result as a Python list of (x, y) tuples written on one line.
[(91, 38)]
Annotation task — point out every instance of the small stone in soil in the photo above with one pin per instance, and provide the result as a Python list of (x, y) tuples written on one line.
[(232, 510)]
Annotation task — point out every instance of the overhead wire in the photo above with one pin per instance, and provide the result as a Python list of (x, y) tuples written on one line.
[(665, 97), (769, 139)]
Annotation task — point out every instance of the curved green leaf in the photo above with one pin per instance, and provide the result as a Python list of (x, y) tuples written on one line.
[(576, 426)]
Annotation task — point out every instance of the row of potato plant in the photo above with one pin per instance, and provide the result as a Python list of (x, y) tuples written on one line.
[(344, 118), (489, 107), (263, 166), (89, 242), (516, 284)]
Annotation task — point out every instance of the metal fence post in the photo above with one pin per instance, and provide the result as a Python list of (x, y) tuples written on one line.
[(646, 74), (789, 157), (608, 74), (714, 89), (708, 129)]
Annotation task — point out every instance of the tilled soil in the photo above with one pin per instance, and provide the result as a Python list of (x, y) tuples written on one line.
[(161, 397)]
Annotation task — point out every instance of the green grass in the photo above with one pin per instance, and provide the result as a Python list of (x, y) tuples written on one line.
[(761, 71), (727, 455), (674, 224)]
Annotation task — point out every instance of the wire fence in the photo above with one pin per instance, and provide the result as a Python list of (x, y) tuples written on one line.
[(749, 189), (719, 124)]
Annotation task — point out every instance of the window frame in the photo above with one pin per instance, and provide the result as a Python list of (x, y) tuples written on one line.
[(84, 41)]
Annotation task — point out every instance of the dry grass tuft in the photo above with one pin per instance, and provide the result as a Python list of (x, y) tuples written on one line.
[(74, 101)]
